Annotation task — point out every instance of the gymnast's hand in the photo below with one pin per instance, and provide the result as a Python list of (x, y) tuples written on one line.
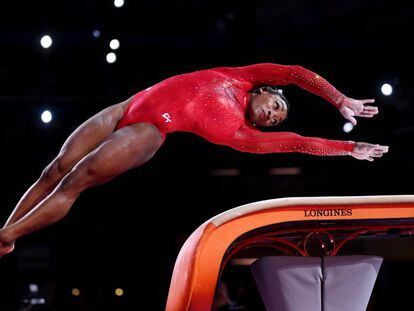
[(365, 151), (351, 108)]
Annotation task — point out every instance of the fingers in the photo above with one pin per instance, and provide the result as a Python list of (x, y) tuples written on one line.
[(369, 152), (368, 112), (366, 115), (370, 109), (379, 148), (361, 108), (352, 120), (377, 152)]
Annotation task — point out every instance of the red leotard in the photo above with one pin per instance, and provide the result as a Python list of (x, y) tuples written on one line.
[(212, 104)]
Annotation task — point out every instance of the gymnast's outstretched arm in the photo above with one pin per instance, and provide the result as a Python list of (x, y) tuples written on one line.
[(274, 74), (248, 139)]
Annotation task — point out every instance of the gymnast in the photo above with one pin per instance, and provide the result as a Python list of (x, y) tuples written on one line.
[(226, 106)]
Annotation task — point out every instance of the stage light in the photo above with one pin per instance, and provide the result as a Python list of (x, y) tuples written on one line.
[(46, 116), (34, 288), (114, 44), (119, 3), (96, 33), (75, 292), (386, 89), (46, 41), (111, 57), (119, 292), (348, 127)]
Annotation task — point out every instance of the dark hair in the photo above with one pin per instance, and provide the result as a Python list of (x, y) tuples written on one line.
[(272, 90)]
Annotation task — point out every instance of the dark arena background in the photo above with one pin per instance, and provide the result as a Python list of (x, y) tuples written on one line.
[(117, 247)]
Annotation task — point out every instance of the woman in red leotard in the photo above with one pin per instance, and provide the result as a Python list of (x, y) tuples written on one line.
[(223, 105)]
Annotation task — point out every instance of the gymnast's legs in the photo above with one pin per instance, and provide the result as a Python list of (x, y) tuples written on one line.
[(83, 140), (86, 159)]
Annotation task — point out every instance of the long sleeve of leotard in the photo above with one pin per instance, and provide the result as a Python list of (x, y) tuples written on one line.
[(274, 74), (255, 141)]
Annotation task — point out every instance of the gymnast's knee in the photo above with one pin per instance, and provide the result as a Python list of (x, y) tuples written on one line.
[(78, 180), (55, 170)]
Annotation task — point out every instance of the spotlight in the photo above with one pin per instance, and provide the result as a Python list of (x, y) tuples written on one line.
[(46, 116), (46, 41), (386, 89), (111, 57), (96, 33), (32, 296), (119, 3), (119, 292), (33, 288), (114, 44), (348, 127), (75, 292)]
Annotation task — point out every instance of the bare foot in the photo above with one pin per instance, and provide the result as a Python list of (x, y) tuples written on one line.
[(5, 246), (6, 249)]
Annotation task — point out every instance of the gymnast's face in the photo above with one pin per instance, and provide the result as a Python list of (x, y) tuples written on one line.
[(267, 109)]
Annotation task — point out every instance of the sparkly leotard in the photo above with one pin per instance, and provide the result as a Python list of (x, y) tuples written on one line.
[(212, 104)]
